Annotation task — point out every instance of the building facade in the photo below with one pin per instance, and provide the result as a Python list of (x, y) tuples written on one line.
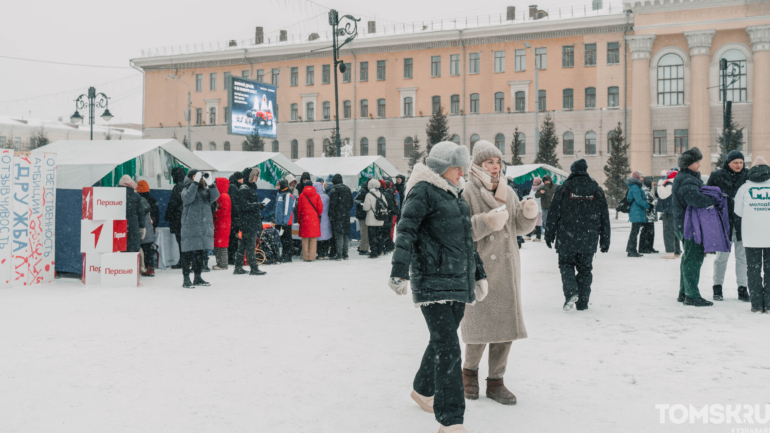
[(649, 69)]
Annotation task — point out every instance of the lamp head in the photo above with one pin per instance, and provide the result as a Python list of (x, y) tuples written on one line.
[(76, 117), (526, 45), (107, 115)]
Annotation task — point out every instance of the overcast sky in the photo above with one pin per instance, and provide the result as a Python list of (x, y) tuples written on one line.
[(91, 32)]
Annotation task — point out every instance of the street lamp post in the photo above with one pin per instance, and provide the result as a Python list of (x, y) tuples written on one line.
[(350, 29), (189, 108), (91, 100), (734, 74), (537, 100)]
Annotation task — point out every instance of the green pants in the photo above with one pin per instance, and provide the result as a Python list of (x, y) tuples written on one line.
[(689, 269)]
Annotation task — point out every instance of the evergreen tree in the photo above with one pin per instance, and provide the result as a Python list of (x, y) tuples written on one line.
[(515, 148), (254, 143), (729, 140), (41, 137), (330, 149), (437, 129), (417, 153), (546, 153), (618, 167)]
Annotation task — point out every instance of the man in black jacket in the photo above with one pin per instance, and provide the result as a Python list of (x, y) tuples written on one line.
[(174, 210), (578, 220), (236, 180), (686, 192), (340, 203), (250, 220), (363, 246), (731, 177)]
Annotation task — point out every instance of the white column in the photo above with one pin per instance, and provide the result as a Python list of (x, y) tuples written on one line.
[(700, 116)]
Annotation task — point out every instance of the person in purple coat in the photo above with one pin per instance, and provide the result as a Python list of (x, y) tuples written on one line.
[(326, 228)]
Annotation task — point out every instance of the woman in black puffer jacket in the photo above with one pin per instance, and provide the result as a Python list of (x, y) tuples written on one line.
[(435, 239)]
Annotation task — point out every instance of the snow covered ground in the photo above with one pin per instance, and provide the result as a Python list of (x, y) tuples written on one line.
[(328, 347)]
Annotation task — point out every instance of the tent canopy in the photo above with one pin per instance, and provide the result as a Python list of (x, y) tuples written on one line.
[(523, 173), (351, 168), (273, 165), (84, 163)]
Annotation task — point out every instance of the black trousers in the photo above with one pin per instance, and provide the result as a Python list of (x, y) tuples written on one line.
[(247, 245), (287, 244), (440, 374), (375, 241), (341, 244), (323, 248), (536, 232), (580, 283), (633, 236), (232, 247), (647, 237), (757, 261), (669, 235), (149, 254), (193, 259), (179, 245)]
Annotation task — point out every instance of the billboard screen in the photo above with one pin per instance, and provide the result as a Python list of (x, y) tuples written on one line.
[(252, 107)]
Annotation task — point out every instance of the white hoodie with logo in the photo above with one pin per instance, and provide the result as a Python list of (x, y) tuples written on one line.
[(752, 204)]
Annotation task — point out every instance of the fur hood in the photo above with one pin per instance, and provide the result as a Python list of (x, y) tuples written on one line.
[(421, 173), (633, 181)]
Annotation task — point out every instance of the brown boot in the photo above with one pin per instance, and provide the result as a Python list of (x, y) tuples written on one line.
[(471, 384), (497, 391)]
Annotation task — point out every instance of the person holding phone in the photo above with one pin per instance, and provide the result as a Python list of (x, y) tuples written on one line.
[(197, 226)]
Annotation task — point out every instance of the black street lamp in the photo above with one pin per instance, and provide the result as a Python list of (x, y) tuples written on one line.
[(349, 29), (730, 70), (94, 100)]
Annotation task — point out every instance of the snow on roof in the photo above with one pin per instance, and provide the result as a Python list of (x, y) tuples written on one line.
[(53, 124), (231, 161), (347, 166)]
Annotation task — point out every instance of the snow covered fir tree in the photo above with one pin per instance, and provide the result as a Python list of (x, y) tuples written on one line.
[(254, 143), (729, 140), (417, 154), (437, 129), (546, 153), (516, 148), (617, 168)]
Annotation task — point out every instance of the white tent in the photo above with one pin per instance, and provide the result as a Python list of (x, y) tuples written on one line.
[(273, 165), (523, 173), (84, 163), (351, 168)]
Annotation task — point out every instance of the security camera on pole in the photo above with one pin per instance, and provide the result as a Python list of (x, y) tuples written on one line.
[(350, 29)]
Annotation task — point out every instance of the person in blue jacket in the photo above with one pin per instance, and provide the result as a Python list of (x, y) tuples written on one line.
[(638, 213), (284, 212)]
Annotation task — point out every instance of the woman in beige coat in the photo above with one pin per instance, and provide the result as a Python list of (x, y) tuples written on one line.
[(498, 320)]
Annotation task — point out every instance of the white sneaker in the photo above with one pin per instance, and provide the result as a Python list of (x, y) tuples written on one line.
[(426, 403), (669, 256), (457, 428)]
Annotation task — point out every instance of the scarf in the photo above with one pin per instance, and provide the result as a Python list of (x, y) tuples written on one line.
[(490, 183)]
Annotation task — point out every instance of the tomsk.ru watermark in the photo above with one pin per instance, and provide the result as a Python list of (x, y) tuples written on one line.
[(749, 415)]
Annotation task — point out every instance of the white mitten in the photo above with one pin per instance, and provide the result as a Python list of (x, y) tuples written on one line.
[(197, 177), (398, 285), (481, 290), (529, 209), (496, 220), (142, 232)]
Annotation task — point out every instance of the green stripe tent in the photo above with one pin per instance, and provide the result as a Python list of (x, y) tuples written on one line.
[(522, 173), (273, 166)]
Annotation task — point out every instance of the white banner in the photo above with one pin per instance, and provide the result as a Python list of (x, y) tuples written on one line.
[(37, 262), (49, 218), (22, 195), (6, 214)]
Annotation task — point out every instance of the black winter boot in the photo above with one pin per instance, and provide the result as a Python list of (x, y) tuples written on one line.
[(239, 270), (680, 298), (187, 284), (198, 281), (718, 293), (634, 254), (698, 302), (743, 294), (255, 271)]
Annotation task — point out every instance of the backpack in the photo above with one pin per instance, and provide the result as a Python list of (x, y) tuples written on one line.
[(381, 210), (624, 206)]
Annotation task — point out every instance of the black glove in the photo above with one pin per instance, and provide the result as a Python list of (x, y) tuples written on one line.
[(548, 243), (605, 249), (262, 206)]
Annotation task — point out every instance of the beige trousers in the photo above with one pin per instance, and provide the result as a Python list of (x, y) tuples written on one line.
[(498, 358), (309, 247), (364, 244)]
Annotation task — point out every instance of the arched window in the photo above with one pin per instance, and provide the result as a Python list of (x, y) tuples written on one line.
[(326, 145), (381, 108), (381, 146), (569, 143), (590, 143), (474, 139), (212, 146), (364, 147), (364, 108), (327, 111), (199, 146), (611, 137), (227, 146), (670, 80), (499, 102), (408, 106), (408, 146), (590, 97), (736, 64), (521, 105), (294, 112), (455, 139), (275, 146), (244, 145), (294, 149), (567, 99), (310, 148), (435, 104), (474, 103), (522, 144), (310, 111), (454, 107), (500, 143)]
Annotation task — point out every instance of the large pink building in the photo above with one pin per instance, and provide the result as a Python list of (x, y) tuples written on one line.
[(653, 67)]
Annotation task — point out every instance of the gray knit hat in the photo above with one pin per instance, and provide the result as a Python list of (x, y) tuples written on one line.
[(689, 157), (447, 154), (483, 150)]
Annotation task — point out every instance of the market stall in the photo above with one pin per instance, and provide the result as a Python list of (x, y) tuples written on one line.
[(354, 169)]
